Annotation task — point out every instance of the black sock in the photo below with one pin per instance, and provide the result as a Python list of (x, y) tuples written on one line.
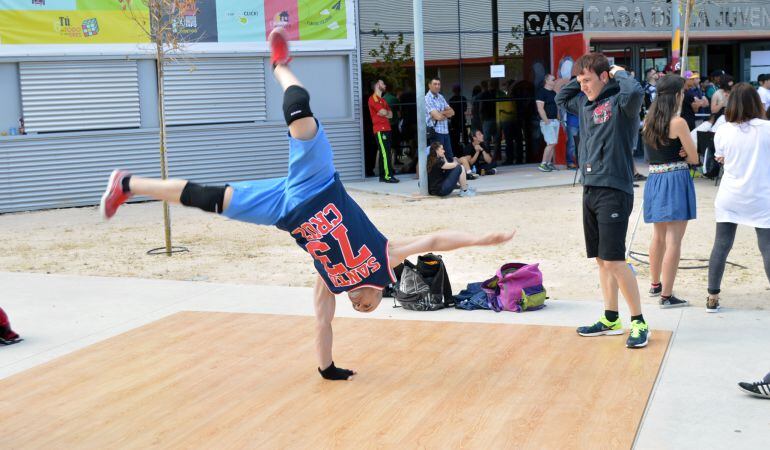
[(124, 183), (610, 315), (640, 318)]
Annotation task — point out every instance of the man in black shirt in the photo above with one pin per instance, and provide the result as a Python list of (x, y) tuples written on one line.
[(692, 103), (549, 122), (476, 154)]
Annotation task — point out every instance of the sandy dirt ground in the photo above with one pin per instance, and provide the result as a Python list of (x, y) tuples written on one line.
[(548, 224)]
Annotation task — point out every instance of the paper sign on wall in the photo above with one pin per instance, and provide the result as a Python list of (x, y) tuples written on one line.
[(497, 71)]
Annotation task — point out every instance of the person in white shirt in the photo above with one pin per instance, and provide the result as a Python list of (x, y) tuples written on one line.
[(743, 146), (764, 90)]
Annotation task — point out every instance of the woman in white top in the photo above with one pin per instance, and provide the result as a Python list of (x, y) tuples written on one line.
[(743, 145)]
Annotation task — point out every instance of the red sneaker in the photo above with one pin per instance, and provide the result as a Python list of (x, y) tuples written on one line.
[(279, 47), (114, 196), (7, 335)]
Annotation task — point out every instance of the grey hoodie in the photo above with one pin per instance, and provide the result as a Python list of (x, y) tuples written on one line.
[(609, 127)]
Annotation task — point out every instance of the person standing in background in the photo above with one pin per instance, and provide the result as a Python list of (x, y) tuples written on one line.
[(742, 145), (437, 115), (506, 111), (609, 122), (719, 99), (381, 115), (764, 90), (549, 121), (395, 133), (459, 104), (691, 103), (669, 194)]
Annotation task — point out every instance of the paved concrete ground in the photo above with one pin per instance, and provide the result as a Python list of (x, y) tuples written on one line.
[(695, 404), (508, 178)]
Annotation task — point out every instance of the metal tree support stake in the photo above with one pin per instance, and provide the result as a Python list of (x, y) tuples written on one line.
[(419, 76)]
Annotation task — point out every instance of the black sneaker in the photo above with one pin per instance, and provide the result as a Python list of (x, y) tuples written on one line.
[(655, 290), (471, 176), (759, 389), (712, 304), (672, 302), (389, 180), (639, 177)]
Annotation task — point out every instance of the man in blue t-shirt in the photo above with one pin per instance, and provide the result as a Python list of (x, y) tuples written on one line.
[(349, 253)]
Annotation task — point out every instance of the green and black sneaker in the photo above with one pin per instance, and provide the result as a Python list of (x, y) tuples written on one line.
[(602, 328), (639, 336)]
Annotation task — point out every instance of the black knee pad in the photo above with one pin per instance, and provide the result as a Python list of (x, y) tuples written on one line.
[(296, 104), (207, 198)]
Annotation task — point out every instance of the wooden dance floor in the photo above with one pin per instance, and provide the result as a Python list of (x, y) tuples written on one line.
[(222, 380)]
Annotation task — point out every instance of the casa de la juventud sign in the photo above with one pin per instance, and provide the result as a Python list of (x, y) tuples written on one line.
[(713, 15), (541, 22)]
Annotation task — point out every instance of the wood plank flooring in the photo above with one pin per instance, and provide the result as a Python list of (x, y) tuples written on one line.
[(224, 380)]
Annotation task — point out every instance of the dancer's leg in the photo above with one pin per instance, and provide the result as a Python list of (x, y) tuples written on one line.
[(171, 190)]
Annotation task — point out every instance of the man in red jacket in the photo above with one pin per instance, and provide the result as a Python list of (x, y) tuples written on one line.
[(381, 115)]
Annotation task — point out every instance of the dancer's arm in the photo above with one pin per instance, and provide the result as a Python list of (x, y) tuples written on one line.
[(324, 312), (441, 241)]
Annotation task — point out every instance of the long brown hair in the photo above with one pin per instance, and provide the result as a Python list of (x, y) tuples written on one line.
[(666, 105), (433, 156), (744, 104)]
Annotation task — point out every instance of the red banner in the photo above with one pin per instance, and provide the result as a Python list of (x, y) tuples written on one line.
[(566, 48)]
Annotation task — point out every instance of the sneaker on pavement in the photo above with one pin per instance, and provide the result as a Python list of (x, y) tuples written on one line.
[(655, 290), (639, 177), (471, 176), (672, 302), (389, 180), (759, 389), (468, 193), (712, 304), (552, 166), (114, 196), (279, 47), (639, 335), (602, 328), (543, 167)]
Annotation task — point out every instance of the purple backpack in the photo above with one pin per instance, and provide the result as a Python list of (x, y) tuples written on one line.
[(516, 287)]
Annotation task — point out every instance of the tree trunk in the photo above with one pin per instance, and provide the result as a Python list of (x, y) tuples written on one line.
[(163, 161)]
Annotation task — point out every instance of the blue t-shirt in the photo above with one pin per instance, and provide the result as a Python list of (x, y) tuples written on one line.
[(349, 252), (572, 120)]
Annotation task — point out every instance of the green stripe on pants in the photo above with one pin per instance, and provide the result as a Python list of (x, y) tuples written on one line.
[(385, 160)]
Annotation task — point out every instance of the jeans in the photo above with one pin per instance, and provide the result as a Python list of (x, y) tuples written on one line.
[(723, 243), (450, 181), (572, 137)]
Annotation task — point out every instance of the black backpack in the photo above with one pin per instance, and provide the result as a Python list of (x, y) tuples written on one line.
[(425, 286)]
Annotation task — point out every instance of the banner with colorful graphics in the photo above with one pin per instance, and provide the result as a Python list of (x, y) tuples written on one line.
[(53, 27), (69, 22), (322, 19)]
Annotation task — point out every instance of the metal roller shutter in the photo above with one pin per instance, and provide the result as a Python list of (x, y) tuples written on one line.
[(80, 95), (215, 90)]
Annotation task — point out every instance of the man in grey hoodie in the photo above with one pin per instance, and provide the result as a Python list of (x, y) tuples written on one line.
[(609, 122)]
